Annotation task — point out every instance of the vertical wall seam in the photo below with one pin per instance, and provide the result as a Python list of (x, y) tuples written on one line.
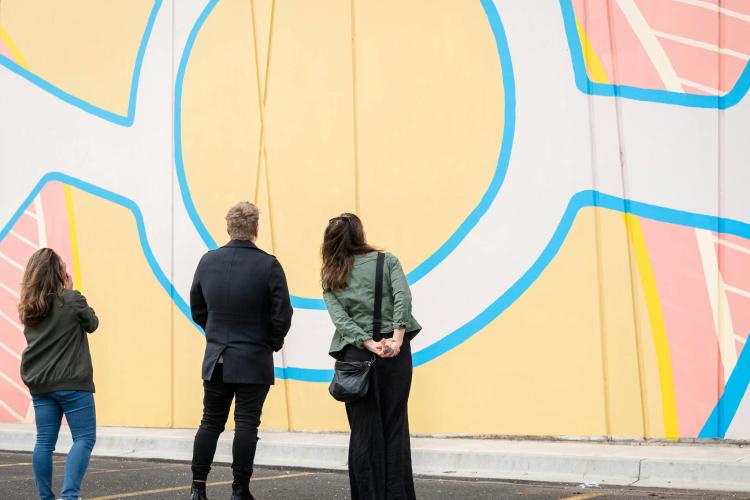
[(721, 254), (263, 156), (355, 127), (625, 195), (599, 271), (172, 198)]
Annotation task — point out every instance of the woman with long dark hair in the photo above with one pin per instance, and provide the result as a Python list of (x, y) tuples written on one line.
[(379, 450), (56, 367)]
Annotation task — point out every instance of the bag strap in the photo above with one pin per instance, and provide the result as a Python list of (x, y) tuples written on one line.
[(377, 312)]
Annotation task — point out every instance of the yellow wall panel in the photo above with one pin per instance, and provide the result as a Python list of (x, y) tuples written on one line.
[(86, 47), (131, 350)]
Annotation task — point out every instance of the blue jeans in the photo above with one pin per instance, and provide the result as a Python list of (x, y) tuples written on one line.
[(78, 407)]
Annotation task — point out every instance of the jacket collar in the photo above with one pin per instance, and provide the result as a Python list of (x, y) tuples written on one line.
[(364, 257), (240, 244)]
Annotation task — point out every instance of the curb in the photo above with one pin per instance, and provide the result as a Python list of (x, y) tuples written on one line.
[(694, 466)]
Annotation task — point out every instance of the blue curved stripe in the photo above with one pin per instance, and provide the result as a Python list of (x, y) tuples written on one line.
[(509, 121), (581, 200), (126, 120), (585, 85), (187, 198), (726, 408), (118, 199)]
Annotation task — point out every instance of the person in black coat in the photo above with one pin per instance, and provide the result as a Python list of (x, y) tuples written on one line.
[(241, 300)]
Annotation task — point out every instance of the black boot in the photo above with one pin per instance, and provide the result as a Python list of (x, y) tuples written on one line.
[(198, 491), (241, 490)]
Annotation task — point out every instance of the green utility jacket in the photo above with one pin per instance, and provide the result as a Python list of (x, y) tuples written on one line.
[(351, 307), (57, 356)]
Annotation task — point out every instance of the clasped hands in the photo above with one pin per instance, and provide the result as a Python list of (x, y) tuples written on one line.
[(386, 348)]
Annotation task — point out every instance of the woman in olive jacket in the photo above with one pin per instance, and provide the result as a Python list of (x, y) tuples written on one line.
[(56, 367), (379, 450)]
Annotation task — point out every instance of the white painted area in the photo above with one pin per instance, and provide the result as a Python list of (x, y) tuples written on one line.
[(41, 225), (716, 289), (740, 426)]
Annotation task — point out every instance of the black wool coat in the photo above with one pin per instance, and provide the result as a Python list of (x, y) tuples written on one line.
[(241, 300)]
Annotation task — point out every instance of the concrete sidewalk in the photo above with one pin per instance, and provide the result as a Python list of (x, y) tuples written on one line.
[(691, 466)]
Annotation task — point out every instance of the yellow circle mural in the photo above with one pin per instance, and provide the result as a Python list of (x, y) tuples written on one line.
[(393, 110)]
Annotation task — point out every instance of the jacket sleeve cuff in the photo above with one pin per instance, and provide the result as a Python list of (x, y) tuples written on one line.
[(359, 343)]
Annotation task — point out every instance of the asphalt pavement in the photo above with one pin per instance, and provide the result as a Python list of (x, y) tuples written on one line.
[(114, 478)]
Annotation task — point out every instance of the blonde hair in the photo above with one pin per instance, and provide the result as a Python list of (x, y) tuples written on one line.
[(242, 221)]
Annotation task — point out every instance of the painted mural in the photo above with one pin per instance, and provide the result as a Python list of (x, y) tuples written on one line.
[(566, 184)]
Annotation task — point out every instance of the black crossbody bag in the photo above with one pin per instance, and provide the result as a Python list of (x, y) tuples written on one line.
[(351, 379)]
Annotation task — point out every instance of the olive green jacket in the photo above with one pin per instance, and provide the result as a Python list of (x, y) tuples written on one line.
[(351, 307), (57, 356)]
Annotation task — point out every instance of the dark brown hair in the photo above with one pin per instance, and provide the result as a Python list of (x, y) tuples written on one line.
[(343, 239), (43, 280)]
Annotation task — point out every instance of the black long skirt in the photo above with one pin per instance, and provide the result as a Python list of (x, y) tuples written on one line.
[(379, 449)]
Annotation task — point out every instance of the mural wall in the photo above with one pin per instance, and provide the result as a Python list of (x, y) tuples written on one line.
[(567, 184)]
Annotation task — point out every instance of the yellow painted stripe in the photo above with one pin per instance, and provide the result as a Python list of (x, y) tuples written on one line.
[(186, 488), (583, 496), (17, 57), (73, 238), (21, 464), (656, 319), (593, 63)]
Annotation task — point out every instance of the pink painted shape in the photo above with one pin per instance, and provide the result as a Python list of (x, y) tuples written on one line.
[(57, 236), (5, 51), (12, 396), (9, 275), (26, 227), (681, 284), (702, 66), (632, 65), (736, 240), (697, 23), (592, 15), (16, 249), (6, 417), (692, 90), (739, 308), (735, 268), (740, 6), (56, 220), (681, 19), (11, 336)]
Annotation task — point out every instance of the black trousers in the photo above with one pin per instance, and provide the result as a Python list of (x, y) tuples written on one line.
[(248, 405), (379, 448)]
